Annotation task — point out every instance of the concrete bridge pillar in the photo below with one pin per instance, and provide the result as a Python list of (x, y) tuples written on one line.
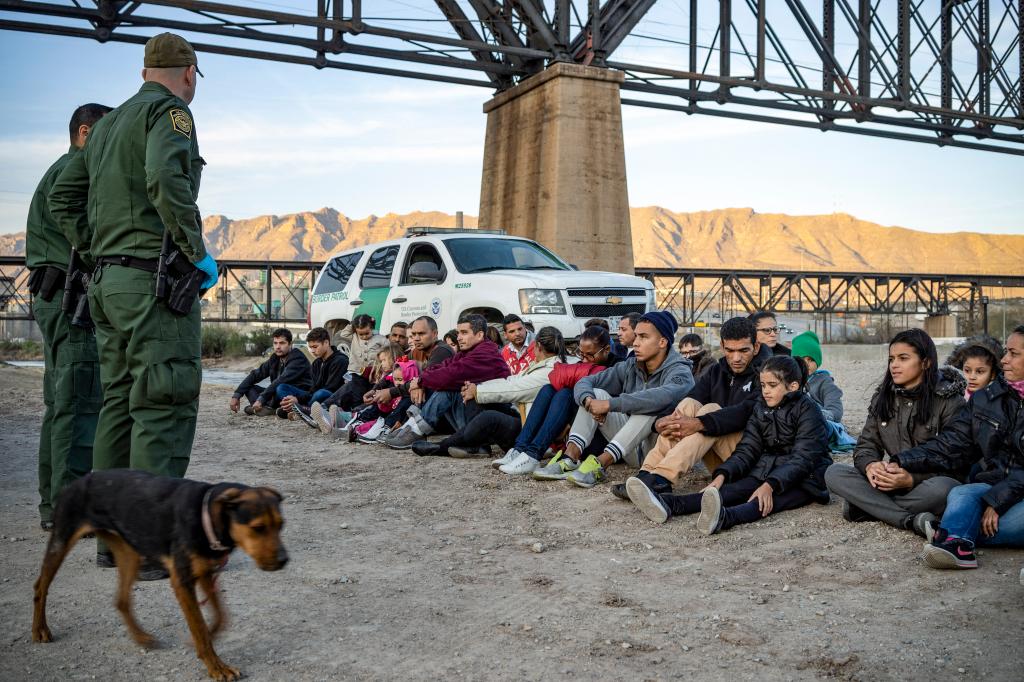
[(555, 167)]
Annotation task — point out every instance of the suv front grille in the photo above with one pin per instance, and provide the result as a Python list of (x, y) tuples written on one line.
[(604, 310), (607, 292)]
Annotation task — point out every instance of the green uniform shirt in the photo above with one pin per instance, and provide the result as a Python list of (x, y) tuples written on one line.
[(45, 244), (137, 175)]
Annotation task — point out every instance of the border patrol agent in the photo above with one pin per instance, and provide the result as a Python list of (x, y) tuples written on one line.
[(71, 380), (137, 178)]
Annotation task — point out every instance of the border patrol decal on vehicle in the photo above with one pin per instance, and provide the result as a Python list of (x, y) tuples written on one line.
[(181, 122), (435, 306)]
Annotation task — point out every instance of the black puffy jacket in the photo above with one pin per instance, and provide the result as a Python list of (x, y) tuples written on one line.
[(736, 394), (292, 369), (786, 445), (988, 432)]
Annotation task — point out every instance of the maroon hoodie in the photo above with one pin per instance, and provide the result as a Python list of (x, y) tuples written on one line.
[(482, 362)]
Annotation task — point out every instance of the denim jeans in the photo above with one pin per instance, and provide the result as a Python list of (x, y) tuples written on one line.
[(443, 404), (962, 518), (284, 390), (550, 413)]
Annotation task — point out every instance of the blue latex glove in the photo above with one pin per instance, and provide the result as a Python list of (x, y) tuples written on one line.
[(209, 267)]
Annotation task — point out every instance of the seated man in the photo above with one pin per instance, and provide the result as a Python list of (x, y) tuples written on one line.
[(327, 372), (691, 347), (709, 422), (623, 401), (286, 365), (768, 332), (823, 390), (518, 353), (478, 360), (622, 347), (399, 334)]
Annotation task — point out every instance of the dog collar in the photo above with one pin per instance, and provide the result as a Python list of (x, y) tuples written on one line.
[(211, 536)]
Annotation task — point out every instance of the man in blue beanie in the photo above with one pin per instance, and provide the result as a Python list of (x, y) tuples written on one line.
[(623, 401)]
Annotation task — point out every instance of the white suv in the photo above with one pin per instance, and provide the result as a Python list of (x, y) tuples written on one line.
[(444, 273)]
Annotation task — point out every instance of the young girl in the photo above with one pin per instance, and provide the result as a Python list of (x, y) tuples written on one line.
[(779, 463), (374, 403), (916, 401), (978, 358)]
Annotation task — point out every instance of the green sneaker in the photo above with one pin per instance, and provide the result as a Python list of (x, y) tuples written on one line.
[(557, 468), (589, 474)]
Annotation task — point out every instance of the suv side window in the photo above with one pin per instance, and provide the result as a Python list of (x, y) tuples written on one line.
[(337, 273), (420, 253), (379, 268)]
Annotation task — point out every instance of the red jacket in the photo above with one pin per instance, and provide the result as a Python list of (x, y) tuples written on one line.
[(564, 375), (517, 362), (482, 362)]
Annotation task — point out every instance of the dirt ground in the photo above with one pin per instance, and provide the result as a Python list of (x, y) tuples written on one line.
[(422, 569)]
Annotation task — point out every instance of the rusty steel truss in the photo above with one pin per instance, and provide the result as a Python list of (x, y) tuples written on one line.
[(948, 72), (241, 294), (696, 295)]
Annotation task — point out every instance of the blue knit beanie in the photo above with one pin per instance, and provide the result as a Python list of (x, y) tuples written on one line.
[(664, 322)]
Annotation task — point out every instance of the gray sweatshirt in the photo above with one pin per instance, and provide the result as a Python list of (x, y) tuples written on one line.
[(634, 392), (822, 388)]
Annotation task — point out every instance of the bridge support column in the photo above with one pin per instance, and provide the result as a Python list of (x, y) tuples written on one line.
[(940, 326), (555, 168)]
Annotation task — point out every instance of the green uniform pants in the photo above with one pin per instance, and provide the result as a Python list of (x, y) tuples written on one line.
[(151, 374), (71, 392)]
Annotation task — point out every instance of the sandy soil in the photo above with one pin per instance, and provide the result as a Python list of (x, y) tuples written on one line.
[(409, 568)]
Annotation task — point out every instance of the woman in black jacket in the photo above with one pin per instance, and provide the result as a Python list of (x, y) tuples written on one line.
[(779, 463)]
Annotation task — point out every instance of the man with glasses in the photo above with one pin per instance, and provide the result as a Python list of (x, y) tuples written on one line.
[(768, 332), (691, 347)]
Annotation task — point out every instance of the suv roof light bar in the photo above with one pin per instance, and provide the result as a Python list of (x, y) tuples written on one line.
[(418, 231)]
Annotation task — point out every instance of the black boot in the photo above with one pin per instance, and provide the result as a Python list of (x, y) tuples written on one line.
[(105, 560), (658, 484), (152, 570)]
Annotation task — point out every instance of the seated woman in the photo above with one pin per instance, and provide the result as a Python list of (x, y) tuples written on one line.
[(978, 358), (779, 463), (988, 433), (554, 409), (500, 424), (915, 401)]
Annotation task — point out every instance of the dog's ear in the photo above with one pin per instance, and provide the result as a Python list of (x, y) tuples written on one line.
[(228, 497), (279, 496)]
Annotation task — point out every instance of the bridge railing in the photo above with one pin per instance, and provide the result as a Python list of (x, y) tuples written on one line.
[(247, 291)]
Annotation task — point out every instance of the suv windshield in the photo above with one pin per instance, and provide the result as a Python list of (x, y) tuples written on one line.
[(480, 254)]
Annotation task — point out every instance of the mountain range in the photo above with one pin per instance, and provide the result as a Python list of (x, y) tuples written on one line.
[(723, 238)]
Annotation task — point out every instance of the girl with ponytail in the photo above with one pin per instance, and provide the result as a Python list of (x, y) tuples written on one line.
[(779, 463)]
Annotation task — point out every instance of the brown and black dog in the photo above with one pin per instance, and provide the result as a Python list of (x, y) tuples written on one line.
[(189, 526)]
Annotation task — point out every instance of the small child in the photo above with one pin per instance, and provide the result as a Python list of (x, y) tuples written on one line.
[(978, 358), (823, 390), (779, 463), (379, 399)]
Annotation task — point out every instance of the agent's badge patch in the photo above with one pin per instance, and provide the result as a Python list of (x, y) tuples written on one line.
[(181, 122)]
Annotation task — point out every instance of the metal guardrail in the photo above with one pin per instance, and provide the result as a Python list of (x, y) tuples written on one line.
[(693, 293), (248, 291)]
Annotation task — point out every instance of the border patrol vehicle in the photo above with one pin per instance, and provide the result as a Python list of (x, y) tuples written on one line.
[(446, 272)]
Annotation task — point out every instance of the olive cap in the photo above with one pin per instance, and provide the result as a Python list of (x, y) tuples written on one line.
[(168, 50)]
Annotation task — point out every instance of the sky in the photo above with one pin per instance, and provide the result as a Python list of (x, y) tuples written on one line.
[(282, 138)]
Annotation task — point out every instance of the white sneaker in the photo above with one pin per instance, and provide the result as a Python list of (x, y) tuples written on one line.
[(507, 459), (370, 436), (522, 464), (322, 418)]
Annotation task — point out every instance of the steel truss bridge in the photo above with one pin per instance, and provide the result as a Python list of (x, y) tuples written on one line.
[(947, 72), (699, 295), (241, 295), (693, 295)]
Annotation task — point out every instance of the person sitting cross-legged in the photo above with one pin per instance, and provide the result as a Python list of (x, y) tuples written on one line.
[(478, 360), (987, 435), (623, 401), (708, 423), (779, 464)]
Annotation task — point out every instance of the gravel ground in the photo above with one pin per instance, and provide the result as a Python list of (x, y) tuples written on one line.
[(409, 568)]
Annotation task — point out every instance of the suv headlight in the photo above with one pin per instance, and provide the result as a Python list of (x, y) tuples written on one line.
[(541, 302)]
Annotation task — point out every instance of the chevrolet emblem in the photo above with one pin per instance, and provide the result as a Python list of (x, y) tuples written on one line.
[(613, 300)]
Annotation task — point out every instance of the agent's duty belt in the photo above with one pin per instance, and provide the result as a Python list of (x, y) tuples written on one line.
[(147, 264)]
